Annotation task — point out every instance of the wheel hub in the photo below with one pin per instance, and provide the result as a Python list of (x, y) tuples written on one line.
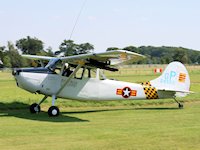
[(36, 109), (54, 112)]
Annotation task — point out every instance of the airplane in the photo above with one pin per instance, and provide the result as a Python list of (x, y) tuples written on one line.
[(80, 77)]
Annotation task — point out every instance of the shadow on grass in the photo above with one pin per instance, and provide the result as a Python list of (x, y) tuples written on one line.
[(119, 109), (94, 111), (158, 108), (21, 110)]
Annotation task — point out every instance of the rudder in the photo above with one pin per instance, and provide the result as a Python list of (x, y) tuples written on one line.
[(174, 78)]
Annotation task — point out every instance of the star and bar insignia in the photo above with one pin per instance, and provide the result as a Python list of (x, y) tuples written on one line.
[(126, 92)]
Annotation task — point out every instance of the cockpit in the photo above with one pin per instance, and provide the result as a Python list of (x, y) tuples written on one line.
[(56, 66)]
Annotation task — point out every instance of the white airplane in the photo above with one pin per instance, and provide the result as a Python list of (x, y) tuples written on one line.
[(71, 77)]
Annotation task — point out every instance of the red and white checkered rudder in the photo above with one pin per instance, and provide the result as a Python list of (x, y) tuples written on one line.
[(174, 78)]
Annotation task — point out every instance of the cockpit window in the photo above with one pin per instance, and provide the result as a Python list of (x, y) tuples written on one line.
[(80, 74), (54, 65)]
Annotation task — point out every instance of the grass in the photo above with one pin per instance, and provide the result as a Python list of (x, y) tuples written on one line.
[(103, 128), (99, 125)]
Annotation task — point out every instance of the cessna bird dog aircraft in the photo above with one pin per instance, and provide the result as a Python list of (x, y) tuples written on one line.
[(71, 77)]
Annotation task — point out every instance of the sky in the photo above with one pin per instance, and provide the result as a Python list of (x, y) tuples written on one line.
[(103, 23)]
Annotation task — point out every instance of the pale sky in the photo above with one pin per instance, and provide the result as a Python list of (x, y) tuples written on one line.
[(103, 23)]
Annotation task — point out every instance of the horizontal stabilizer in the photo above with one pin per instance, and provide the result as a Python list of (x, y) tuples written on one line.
[(188, 92)]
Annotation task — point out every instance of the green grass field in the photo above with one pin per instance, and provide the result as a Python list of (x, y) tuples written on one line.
[(99, 125)]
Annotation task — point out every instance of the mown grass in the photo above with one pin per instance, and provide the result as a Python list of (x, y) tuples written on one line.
[(99, 125), (103, 128)]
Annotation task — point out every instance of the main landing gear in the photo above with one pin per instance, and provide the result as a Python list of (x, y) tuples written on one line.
[(180, 106), (53, 111)]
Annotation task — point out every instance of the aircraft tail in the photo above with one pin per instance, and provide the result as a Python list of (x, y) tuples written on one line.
[(175, 79)]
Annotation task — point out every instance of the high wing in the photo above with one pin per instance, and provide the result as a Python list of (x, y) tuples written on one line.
[(104, 60), (115, 57), (36, 57)]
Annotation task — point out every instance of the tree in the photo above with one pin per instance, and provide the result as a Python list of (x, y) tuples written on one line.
[(15, 59), (30, 45), (180, 55), (2, 50), (50, 51), (11, 57), (70, 48), (112, 48), (131, 48), (84, 48), (6, 61)]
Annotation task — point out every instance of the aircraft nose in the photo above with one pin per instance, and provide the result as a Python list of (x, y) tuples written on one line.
[(16, 71)]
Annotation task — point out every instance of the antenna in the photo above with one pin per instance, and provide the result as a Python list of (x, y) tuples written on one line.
[(77, 19)]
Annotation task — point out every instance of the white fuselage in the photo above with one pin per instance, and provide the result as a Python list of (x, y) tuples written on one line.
[(79, 89)]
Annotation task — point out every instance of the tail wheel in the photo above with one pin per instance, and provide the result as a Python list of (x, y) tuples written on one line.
[(53, 111), (180, 106), (34, 108)]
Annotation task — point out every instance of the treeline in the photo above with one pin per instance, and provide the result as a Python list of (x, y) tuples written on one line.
[(164, 55), (10, 55)]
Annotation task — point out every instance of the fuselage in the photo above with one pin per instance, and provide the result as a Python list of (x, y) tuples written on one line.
[(79, 89)]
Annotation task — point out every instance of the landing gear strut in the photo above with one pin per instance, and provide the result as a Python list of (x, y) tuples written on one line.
[(53, 111), (180, 106), (35, 108)]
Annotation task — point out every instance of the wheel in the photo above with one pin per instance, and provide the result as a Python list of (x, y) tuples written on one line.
[(34, 108), (53, 111), (180, 106)]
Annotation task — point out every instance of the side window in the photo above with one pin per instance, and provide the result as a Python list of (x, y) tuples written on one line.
[(57, 67), (67, 71), (89, 73), (80, 73), (85, 73)]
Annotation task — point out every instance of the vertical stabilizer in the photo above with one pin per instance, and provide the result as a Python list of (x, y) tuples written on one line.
[(174, 78)]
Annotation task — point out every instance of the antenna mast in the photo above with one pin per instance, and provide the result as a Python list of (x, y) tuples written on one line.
[(77, 19)]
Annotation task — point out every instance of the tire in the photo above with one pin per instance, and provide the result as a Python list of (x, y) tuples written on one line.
[(35, 108), (53, 111), (180, 106)]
